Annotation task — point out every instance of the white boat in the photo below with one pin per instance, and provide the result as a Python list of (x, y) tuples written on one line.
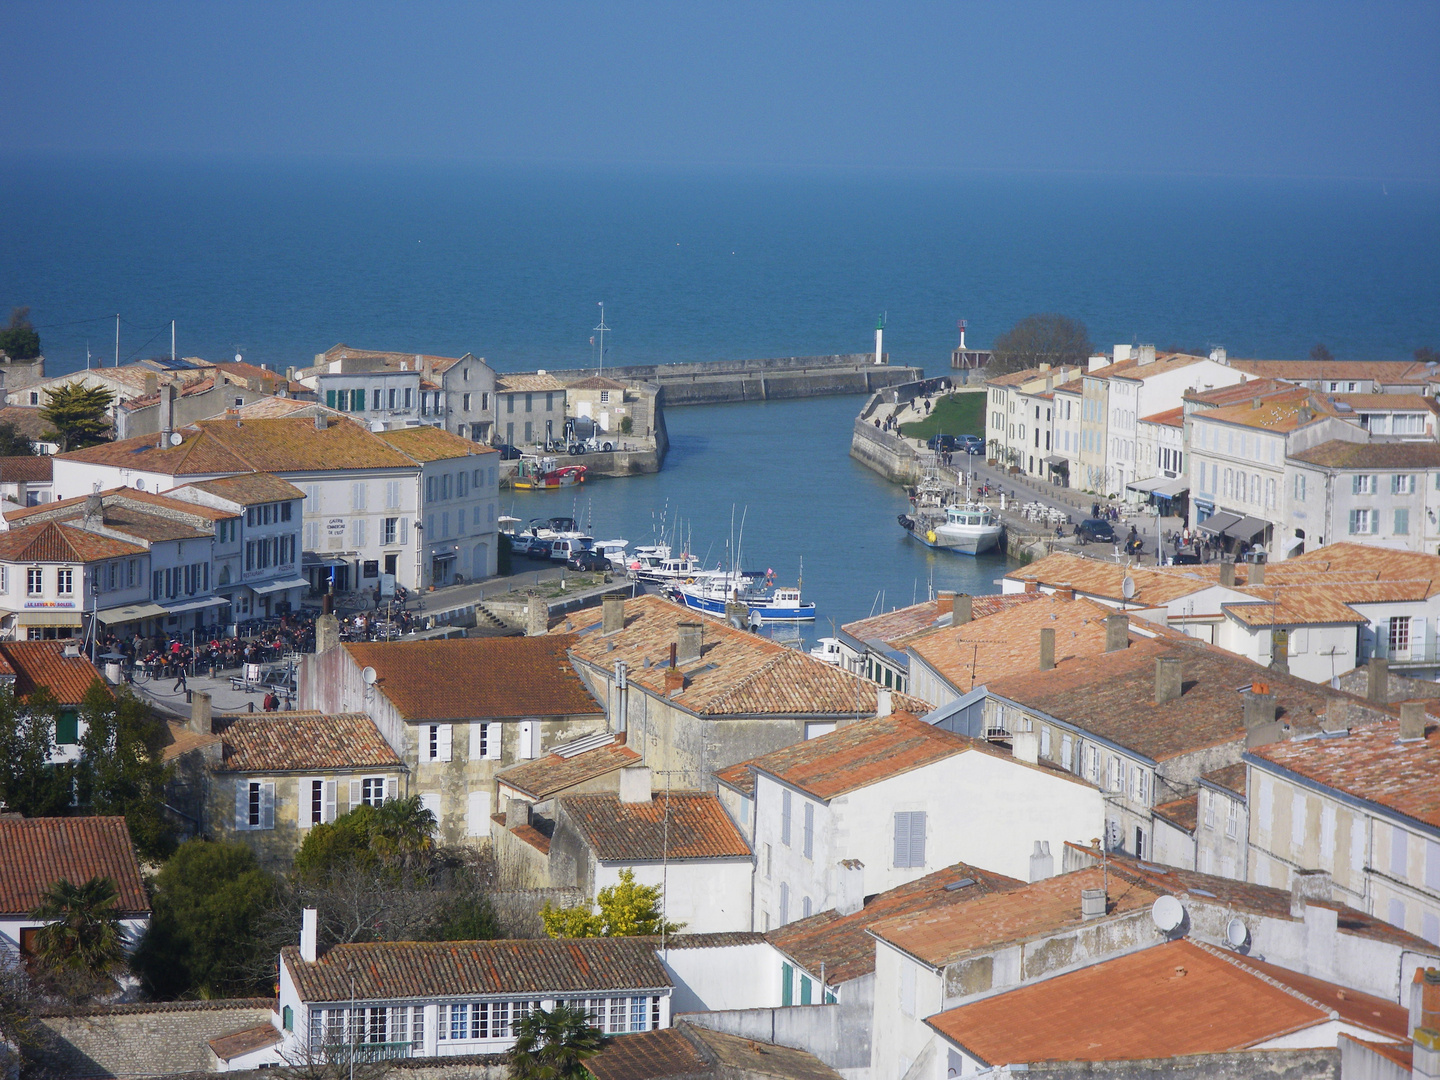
[(711, 596), (971, 528), (827, 650), (614, 550)]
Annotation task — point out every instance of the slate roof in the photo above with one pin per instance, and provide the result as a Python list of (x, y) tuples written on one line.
[(839, 944), (50, 541), (1172, 1000), (1369, 763), (552, 773), (1339, 454), (738, 673), (395, 970), (698, 827), (478, 678), (26, 468), (37, 852), (301, 742), (250, 489), (1112, 696), (648, 1055), (426, 444), (44, 663)]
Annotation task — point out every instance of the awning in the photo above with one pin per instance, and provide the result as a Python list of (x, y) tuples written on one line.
[(1055, 461), (1148, 485), (281, 586), (129, 613), (326, 560), (1172, 488), (1215, 524), (443, 556), (48, 617), (194, 605), (1249, 528)]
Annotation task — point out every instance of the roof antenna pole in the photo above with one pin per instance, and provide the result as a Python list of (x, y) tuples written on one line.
[(117, 339), (601, 330)]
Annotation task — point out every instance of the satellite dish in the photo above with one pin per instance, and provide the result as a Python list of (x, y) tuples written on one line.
[(369, 676), (1127, 587), (1168, 913), (176, 438), (1236, 933), (377, 425)]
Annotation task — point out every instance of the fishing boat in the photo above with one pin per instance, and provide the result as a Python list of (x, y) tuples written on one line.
[(776, 605), (827, 650), (542, 474), (971, 528)]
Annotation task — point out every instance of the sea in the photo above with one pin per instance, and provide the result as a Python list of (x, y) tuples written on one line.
[(278, 260)]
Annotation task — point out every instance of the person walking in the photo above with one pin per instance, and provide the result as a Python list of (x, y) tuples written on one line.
[(179, 676)]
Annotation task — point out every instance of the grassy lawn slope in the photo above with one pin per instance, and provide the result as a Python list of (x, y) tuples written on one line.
[(955, 414)]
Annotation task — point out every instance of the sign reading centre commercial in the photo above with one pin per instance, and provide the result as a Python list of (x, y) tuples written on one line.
[(335, 527), (66, 604)]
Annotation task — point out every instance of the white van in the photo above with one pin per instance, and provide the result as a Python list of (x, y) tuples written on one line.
[(562, 547)]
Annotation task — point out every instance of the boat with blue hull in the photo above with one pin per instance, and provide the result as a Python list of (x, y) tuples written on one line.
[(779, 605)]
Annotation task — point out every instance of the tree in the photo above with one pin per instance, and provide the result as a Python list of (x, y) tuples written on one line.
[(29, 783), (19, 341), (554, 1045), (81, 947), (1321, 355), (76, 412), (20, 1033), (626, 910), (13, 443), (1040, 339), (122, 766), (1427, 355), (209, 908)]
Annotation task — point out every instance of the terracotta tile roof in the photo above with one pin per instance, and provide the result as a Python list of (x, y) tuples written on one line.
[(1168, 418), (1024, 375), (1105, 579), (44, 663), (1386, 372), (1112, 696), (391, 358), (181, 740), (1133, 369), (247, 1041), (698, 827), (1279, 412), (274, 408), (515, 381), (595, 382), (1172, 1000), (300, 742), (1231, 778), (941, 937), (1338, 454), (1351, 573), (860, 754), (1402, 1054), (26, 469), (127, 499), (648, 1055), (1304, 606), (739, 1055), (25, 419), (1369, 763), (1387, 402), (552, 773), (505, 677), (153, 527), (392, 970), (738, 673), (49, 541), (895, 627), (249, 489), (1182, 813), (1008, 642), (37, 852), (433, 444), (528, 833), (839, 943)]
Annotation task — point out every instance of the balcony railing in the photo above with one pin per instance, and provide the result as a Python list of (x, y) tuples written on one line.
[(343, 1052), (1413, 654)]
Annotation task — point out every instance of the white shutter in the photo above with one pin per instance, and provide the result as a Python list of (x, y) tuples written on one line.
[(493, 733), (358, 496), (431, 801), (331, 797), (355, 794), (902, 838), (446, 741), (917, 838), (404, 531), (529, 738), (242, 805), (267, 805), (477, 814), (305, 798), (392, 789)]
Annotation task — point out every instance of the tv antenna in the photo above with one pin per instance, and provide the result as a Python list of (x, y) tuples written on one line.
[(601, 331)]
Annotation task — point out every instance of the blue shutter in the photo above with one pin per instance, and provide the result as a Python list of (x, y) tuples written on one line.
[(787, 992)]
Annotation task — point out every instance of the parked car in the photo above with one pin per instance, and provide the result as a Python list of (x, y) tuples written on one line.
[(972, 444), (537, 548), (1096, 529), (585, 559), (507, 452), (944, 442)]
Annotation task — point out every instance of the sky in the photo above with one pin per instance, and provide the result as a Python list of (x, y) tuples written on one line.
[(1222, 88)]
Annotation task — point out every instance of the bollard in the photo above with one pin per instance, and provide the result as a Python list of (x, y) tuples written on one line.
[(189, 696), (250, 705)]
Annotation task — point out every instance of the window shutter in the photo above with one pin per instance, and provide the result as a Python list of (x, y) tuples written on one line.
[(809, 830), (431, 801), (528, 738), (404, 531), (392, 789), (354, 794), (493, 734), (477, 814), (902, 838), (267, 805), (305, 801), (917, 838), (446, 741), (785, 818), (242, 805), (331, 797)]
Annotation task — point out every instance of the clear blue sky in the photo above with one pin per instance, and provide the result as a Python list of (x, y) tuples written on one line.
[(1233, 88)]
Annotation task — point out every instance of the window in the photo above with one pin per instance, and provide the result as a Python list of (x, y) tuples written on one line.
[(65, 581), (486, 741), (390, 398), (1402, 484), (375, 398), (1400, 633), (34, 581), (1232, 819), (1402, 522), (909, 838), (785, 818), (372, 791), (465, 399), (1362, 485), (493, 1019), (67, 728), (1363, 522), (529, 402), (317, 802), (809, 838), (1299, 487), (1207, 799), (254, 805), (390, 529), (1067, 752), (438, 744), (1092, 763), (549, 402), (409, 399)]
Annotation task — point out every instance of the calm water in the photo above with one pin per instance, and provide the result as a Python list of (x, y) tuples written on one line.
[(283, 261)]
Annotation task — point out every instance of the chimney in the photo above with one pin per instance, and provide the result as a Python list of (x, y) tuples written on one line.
[(884, 702), (1218, 355), (167, 410), (517, 813), (1255, 573), (327, 632), (1042, 863), (613, 606), (944, 602), (321, 421), (849, 886), (1026, 746), (1255, 403), (1261, 727), (635, 784), (1306, 885), (1117, 632), (1168, 685), (200, 713), (961, 611), (1092, 904), (674, 681), (1424, 1025), (1047, 648), (1065, 592), (737, 614), (1412, 721), (1147, 354), (1377, 687), (537, 616), (1032, 585), (1227, 572), (687, 644), (308, 935)]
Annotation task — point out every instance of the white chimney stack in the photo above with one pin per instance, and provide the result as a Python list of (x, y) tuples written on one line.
[(308, 935)]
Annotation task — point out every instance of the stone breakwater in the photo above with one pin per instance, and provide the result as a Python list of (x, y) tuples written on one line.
[(715, 382)]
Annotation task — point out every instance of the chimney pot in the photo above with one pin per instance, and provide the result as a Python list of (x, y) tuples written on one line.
[(961, 608), (321, 421), (1260, 725), (1117, 632), (1092, 903), (850, 890), (1042, 863), (944, 602), (1412, 720), (1168, 683), (613, 607), (688, 642), (1065, 592), (1255, 573), (517, 813), (884, 702), (635, 784), (1227, 572), (1047, 648)]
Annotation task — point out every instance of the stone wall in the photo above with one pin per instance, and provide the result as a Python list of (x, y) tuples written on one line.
[(889, 455), (1310, 1064), (761, 380), (144, 1040)]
